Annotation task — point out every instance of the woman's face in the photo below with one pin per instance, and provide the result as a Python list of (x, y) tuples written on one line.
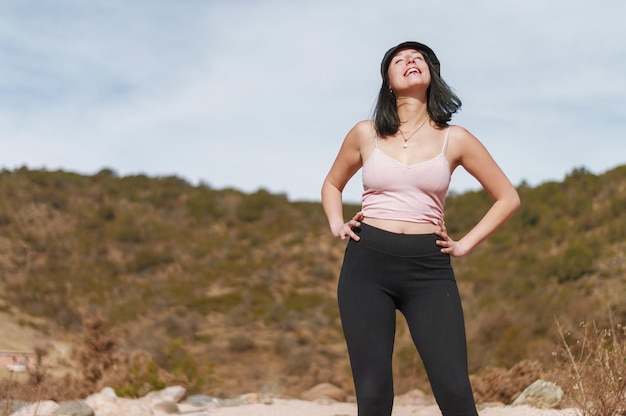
[(407, 69)]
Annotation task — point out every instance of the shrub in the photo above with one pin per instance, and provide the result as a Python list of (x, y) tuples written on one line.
[(593, 364), (141, 376), (241, 343), (577, 260), (99, 345), (501, 385)]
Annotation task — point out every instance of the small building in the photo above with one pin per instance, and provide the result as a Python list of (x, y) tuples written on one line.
[(16, 359)]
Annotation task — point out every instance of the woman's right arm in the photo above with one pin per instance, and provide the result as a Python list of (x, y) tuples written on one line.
[(347, 163)]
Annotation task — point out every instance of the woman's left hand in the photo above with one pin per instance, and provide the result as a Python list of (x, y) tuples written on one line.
[(449, 246)]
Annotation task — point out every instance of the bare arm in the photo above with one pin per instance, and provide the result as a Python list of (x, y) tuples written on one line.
[(476, 160), (347, 163)]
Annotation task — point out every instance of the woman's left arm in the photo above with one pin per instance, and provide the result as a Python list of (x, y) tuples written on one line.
[(470, 153)]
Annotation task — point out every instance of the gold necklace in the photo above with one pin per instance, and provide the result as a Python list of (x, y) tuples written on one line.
[(406, 139)]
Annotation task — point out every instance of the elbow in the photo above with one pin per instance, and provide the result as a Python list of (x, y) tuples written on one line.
[(509, 202), (326, 188), (329, 192), (329, 187), (514, 201)]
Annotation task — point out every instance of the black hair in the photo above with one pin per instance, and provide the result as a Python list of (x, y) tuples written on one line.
[(441, 102)]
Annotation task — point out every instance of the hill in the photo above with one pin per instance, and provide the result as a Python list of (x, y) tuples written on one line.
[(237, 291)]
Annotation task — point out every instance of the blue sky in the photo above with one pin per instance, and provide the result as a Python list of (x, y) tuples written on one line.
[(260, 94)]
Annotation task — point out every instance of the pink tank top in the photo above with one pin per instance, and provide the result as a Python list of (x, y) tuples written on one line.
[(413, 193)]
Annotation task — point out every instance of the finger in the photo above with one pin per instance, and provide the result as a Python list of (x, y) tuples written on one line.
[(350, 232)]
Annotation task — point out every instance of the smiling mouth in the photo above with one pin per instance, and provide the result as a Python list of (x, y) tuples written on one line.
[(411, 71)]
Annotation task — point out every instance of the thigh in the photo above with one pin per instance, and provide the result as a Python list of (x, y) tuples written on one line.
[(368, 312), (438, 330), (435, 318)]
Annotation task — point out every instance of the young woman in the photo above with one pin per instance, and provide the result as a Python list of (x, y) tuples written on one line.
[(398, 253)]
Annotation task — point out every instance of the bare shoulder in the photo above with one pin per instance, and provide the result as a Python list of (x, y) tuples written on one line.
[(462, 140), (357, 138), (461, 134), (463, 147), (364, 129)]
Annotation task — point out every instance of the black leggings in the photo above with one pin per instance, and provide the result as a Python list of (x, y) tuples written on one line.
[(386, 271)]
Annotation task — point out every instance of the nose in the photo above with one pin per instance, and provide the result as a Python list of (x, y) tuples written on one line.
[(410, 60)]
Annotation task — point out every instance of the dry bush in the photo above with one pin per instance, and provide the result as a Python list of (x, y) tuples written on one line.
[(593, 364), (97, 353), (37, 385), (137, 374), (101, 362), (7, 386), (495, 384)]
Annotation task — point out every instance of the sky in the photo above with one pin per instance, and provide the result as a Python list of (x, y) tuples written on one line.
[(260, 94)]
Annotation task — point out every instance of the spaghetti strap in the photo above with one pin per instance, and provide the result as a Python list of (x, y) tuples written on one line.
[(445, 142), (375, 140)]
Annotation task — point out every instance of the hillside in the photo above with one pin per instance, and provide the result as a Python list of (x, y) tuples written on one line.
[(237, 291)]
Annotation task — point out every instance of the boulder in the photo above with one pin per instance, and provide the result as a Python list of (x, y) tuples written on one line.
[(324, 390), (542, 394)]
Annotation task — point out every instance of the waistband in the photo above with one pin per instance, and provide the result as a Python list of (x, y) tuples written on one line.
[(406, 245)]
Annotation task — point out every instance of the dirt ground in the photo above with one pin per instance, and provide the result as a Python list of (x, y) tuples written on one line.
[(291, 407)]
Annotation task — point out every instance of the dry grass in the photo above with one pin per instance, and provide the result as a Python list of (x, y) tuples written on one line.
[(494, 384), (593, 360)]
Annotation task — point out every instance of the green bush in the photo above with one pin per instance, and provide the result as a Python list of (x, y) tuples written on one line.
[(578, 260)]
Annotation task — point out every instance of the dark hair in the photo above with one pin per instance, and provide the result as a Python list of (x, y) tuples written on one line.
[(441, 103)]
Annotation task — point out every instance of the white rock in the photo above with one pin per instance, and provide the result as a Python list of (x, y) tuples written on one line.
[(43, 408), (542, 394)]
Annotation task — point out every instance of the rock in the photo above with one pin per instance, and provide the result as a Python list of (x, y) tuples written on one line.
[(325, 400), (74, 408), (489, 405), (106, 405), (169, 394), (43, 408), (11, 406), (200, 400), (324, 390), (250, 398), (267, 400), (108, 392), (167, 407), (542, 394)]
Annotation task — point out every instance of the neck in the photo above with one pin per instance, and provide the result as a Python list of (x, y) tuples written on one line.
[(411, 111)]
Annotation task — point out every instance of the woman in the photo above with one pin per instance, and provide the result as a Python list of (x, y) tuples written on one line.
[(398, 255)]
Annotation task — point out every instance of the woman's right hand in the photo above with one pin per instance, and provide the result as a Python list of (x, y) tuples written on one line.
[(342, 231)]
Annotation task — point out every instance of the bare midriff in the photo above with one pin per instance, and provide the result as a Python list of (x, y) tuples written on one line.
[(402, 227)]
